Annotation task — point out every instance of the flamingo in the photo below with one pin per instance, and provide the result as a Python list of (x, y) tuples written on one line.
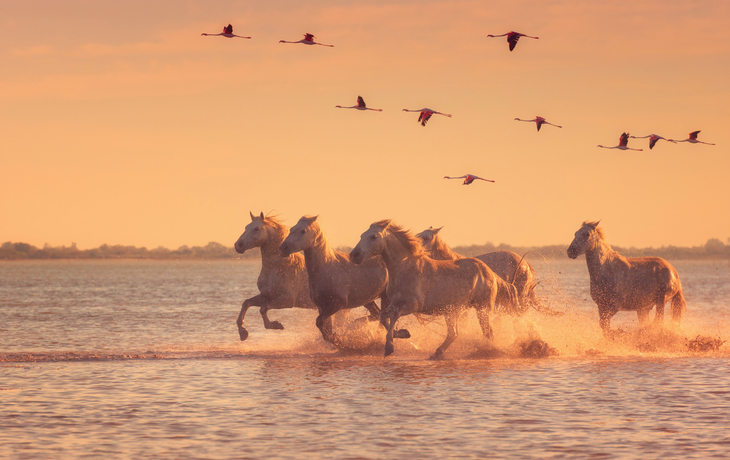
[(540, 121), (360, 105), (512, 38), (426, 114), (692, 139), (623, 140), (307, 40), (468, 178), (653, 138), (227, 32)]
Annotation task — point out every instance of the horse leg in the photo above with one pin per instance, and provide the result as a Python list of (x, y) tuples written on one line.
[(452, 322), (483, 315), (605, 313), (385, 321), (324, 324), (267, 323), (254, 301), (372, 307), (659, 315), (643, 315)]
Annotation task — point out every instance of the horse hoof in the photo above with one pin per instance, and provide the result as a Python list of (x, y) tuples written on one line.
[(402, 334), (275, 325), (436, 357), (243, 333), (389, 349)]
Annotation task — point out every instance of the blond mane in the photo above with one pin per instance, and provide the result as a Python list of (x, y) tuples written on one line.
[(406, 238)]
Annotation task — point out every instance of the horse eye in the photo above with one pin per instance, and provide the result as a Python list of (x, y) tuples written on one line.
[(372, 237)]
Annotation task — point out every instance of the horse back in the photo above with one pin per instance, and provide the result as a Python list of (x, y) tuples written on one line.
[(635, 283)]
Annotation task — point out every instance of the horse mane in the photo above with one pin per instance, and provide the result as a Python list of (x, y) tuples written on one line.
[(405, 237), (276, 222), (600, 237), (441, 249)]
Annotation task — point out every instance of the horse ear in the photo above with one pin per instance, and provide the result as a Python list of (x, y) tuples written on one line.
[(262, 215), (383, 224), (436, 230), (251, 215)]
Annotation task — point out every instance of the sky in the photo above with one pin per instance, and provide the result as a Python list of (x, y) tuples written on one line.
[(121, 124)]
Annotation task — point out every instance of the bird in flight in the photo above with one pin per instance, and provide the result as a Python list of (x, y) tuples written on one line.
[(539, 121), (360, 105), (692, 139), (426, 115), (622, 144), (307, 40), (227, 32), (653, 138), (468, 178), (512, 38)]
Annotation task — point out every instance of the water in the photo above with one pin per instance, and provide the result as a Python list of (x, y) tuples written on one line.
[(142, 360)]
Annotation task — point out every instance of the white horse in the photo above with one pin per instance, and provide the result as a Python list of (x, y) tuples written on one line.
[(282, 282)]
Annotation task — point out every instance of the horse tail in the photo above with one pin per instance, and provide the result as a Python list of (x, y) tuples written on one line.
[(679, 306)]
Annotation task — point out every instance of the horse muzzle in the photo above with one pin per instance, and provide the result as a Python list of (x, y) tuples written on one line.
[(356, 256), (573, 253), (285, 250)]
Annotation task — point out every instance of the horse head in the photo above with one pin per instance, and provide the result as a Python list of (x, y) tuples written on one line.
[(371, 244), (301, 236), (428, 238), (585, 239), (254, 235)]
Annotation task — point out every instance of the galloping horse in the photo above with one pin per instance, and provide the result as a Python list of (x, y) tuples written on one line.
[(334, 282), (619, 283), (514, 272), (282, 282), (419, 284)]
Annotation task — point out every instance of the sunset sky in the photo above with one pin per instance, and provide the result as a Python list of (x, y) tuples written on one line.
[(121, 124)]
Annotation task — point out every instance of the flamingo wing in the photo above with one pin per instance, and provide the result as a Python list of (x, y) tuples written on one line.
[(469, 179), (512, 39), (361, 102), (693, 135), (309, 37), (624, 140), (539, 121), (424, 117), (653, 141), (228, 29)]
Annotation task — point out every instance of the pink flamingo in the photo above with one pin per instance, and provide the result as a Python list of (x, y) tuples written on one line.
[(512, 38), (307, 40), (623, 141), (653, 138), (227, 32), (692, 139), (360, 105), (426, 114), (468, 178), (539, 121)]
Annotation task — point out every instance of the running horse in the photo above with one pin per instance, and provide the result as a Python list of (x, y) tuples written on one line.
[(516, 276), (419, 284), (335, 283), (621, 283), (282, 281)]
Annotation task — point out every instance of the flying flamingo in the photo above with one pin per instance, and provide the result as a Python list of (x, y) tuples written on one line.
[(692, 139), (623, 140), (227, 32), (360, 105), (512, 38), (653, 138), (540, 121), (468, 178), (307, 40), (426, 115)]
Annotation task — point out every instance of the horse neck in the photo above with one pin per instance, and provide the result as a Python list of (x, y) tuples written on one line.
[(395, 254), (319, 253), (270, 249), (598, 256), (442, 251)]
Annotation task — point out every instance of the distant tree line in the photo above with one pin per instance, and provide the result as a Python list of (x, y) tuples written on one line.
[(713, 249)]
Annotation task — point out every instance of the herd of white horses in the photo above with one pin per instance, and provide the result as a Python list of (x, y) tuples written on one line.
[(418, 273)]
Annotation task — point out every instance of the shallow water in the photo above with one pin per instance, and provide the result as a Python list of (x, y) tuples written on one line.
[(142, 359)]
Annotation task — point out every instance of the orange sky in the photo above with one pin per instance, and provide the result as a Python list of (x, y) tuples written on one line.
[(122, 125)]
